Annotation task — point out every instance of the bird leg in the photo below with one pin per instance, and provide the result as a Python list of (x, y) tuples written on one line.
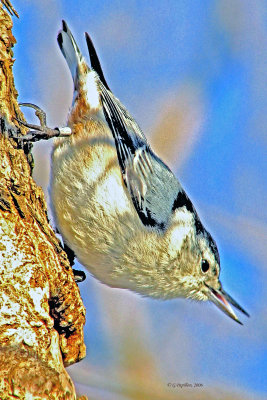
[(41, 132), (79, 276)]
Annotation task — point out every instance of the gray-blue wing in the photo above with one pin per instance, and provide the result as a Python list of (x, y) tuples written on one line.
[(151, 184)]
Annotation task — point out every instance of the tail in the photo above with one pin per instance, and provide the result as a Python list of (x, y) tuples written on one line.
[(95, 63), (70, 50), (86, 80)]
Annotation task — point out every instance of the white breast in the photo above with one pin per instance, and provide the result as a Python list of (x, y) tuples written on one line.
[(91, 206)]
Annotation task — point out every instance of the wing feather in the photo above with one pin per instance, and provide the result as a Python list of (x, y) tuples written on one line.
[(151, 184)]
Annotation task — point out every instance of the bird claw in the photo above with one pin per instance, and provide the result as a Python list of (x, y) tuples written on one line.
[(41, 132), (79, 276), (40, 114)]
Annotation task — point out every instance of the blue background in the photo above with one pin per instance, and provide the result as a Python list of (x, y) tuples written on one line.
[(194, 75)]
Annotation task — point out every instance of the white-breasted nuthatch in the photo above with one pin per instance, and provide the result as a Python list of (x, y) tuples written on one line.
[(118, 206)]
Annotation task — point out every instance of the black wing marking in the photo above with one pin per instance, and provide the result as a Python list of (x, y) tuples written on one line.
[(151, 184), (95, 63)]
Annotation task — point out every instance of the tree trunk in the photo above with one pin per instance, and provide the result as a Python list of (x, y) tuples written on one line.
[(41, 311)]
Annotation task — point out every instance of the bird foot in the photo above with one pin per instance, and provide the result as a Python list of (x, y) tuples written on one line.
[(41, 132), (79, 276)]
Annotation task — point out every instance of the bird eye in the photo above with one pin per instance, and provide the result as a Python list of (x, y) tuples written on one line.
[(205, 265)]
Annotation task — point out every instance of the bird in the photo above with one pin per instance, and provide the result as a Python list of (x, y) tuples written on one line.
[(118, 206)]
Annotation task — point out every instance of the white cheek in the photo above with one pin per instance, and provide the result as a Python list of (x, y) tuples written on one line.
[(182, 225), (176, 239)]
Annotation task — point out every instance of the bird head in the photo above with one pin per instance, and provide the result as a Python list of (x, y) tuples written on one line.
[(201, 273)]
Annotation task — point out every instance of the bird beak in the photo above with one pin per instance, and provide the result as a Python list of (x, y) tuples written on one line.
[(221, 299)]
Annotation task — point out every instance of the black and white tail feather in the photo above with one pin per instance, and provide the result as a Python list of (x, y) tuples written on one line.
[(70, 50)]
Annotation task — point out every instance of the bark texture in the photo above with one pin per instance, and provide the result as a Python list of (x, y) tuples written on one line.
[(41, 311)]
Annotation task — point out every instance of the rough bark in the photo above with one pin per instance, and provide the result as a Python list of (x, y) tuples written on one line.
[(41, 311)]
